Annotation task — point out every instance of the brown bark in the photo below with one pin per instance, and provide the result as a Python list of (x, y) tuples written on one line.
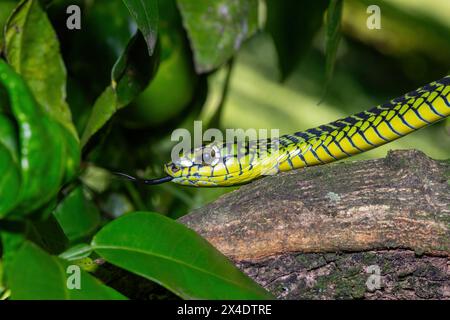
[(393, 211)]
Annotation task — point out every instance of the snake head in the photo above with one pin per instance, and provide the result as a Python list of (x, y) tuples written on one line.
[(198, 167), (222, 164)]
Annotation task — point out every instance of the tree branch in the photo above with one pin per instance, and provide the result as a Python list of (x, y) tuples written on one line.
[(393, 207)]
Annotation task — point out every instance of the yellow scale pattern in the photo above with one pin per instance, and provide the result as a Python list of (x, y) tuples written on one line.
[(373, 128), (244, 162)]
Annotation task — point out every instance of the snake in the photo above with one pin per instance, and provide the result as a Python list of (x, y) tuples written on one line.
[(221, 164)]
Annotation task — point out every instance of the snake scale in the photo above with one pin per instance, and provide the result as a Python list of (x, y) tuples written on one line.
[(239, 162)]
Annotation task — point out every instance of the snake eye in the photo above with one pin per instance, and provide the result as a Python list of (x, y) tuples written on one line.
[(211, 156)]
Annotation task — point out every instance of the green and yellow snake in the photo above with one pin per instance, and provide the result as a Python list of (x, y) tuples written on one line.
[(242, 162)]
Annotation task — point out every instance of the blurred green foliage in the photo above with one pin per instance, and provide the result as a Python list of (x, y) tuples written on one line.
[(77, 104)]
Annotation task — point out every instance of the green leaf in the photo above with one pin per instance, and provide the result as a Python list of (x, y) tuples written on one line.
[(146, 15), (12, 235), (333, 36), (34, 274), (42, 172), (2, 285), (77, 215), (6, 8), (48, 234), (32, 48), (164, 251), (104, 108), (131, 74), (218, 28), (293, 24), (8, 136), (77, 252), (10, 180)]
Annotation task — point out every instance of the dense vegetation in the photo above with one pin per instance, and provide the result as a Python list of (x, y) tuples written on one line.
[(78, 104)]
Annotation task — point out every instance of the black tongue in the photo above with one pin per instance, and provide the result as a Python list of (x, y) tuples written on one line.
[(144, 181)]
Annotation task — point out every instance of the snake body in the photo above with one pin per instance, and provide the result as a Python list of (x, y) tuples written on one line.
[(241, 162)]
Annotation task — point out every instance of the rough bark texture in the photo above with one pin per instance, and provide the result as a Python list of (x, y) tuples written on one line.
[(318, 232)]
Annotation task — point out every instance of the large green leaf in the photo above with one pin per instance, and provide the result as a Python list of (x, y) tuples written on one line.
[(146, 14), (217, 29), (43, 116), (42, 172), (131, 74), (164, 251), (77, 216), (34, 274), (32, 48)]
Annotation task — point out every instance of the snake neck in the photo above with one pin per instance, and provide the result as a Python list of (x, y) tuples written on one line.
[(368, 129)]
